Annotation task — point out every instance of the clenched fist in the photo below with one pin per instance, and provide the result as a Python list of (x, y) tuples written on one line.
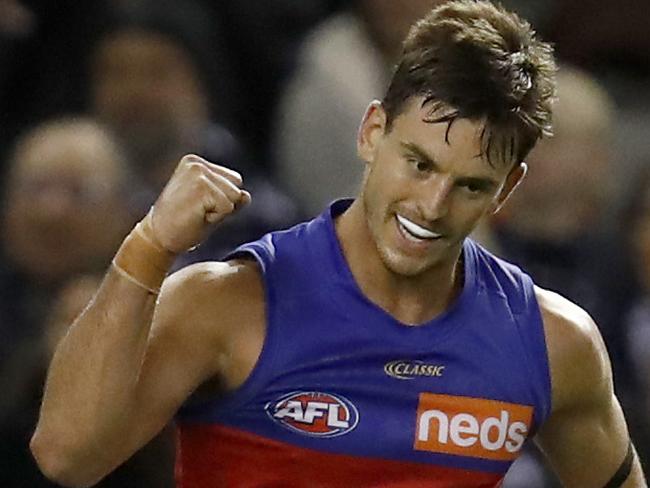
[(198, 195)]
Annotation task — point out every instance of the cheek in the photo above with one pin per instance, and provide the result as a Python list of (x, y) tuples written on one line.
[(17, 220), (378, 197), (388, 175), (465, 214)]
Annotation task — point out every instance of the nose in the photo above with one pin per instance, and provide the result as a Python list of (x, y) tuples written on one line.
[(55, 203), (434, 196)]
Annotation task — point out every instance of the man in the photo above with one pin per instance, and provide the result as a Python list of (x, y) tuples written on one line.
[(63, 215), (372, 346), (159, 118)]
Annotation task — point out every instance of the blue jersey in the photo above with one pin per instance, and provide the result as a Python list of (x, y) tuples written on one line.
[(344, 395)]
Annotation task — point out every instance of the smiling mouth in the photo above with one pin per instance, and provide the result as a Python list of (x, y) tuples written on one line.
[(414, 231)]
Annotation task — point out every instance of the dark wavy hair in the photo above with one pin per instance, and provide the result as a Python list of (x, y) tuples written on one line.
[(475, 60)]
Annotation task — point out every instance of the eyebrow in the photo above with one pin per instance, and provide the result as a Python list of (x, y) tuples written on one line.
[(483, 183), (419, 152)]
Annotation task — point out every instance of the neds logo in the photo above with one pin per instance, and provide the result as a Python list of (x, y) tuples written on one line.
[(471, 427), (314, 413)]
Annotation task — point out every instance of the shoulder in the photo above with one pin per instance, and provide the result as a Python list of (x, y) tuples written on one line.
[(212, 297), (578, 360), (502, 276), (226, 278)]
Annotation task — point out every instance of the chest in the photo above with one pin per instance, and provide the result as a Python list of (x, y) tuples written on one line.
[(331, 383)]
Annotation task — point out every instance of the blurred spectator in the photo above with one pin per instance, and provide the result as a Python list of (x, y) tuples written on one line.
[(63, 216), (41, 44), (263, 39), (344, 63), (150, 78), (635, 226), (63, 212), (16, 24), (620, 43), (151, 73), (16, 20), (559, 224), (531, 470)]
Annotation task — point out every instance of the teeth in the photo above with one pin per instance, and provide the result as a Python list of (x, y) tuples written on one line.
[(415, 229)]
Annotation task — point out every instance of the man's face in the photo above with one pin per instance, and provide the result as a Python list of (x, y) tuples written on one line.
[(423, 195), (147, 89), (62, 211)]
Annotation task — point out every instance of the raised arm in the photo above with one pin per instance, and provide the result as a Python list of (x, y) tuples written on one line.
[(586, 437), (132, 357)]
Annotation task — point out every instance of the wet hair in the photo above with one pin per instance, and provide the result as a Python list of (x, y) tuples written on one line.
[(472, 59)]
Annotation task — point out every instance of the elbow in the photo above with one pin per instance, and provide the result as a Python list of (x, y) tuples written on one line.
[(58, 465)]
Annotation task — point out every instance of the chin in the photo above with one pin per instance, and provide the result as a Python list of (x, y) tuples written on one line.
[(403, 265)]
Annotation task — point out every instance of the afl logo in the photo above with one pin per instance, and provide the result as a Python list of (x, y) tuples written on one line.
[(314, 414)]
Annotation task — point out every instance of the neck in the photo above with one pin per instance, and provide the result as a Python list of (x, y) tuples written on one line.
[(410, 299)]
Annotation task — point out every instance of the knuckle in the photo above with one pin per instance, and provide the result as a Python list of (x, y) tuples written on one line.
[(237, 176), (195, 168), (224, 183), (187, 160), (231, 175), (191, 158), (226, 205), (201, 184)]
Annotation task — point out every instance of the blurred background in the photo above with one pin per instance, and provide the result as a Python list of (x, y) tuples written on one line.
[(99, 99)]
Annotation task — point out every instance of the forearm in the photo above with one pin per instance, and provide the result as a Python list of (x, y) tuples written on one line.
[(128, 362), (89, 402), (95, 367)]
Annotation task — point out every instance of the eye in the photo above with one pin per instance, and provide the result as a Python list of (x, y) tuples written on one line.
[(474, 188), (420, 166)]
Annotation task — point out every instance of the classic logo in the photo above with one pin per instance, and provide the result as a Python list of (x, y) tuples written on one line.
[(408, 370), (315, 414), (471, 427)]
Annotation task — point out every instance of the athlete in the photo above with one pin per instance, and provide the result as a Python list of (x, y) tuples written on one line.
[(374, 346)]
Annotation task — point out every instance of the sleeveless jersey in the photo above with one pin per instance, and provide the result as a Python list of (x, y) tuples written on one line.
[(344, 395)]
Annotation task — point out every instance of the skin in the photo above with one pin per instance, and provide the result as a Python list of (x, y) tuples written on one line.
[(129, 363), (148, 90), (63, 212)]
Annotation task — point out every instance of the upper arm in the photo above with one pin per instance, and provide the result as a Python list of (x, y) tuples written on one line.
[(586, 437), (203, 313)]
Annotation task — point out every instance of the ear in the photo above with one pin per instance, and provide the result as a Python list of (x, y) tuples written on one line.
[(514, 178), (372, 128)]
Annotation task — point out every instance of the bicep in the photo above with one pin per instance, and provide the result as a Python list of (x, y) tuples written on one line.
[(586, 446), (586, 437), (182, 351)]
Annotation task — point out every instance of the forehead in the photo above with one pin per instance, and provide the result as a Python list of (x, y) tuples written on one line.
[(131, 47), (458, 140), (78, 155)]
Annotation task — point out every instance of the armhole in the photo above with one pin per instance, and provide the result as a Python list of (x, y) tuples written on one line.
[(531, 329), (264, 366)]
